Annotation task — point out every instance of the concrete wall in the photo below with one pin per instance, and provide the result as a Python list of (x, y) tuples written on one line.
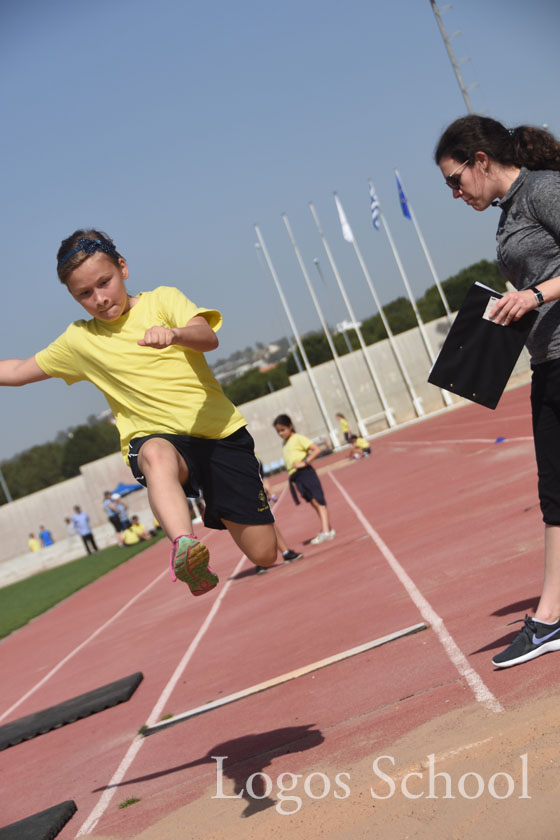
[(49, 507)]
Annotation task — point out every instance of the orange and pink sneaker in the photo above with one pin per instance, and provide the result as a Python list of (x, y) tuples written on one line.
[(189, 562)]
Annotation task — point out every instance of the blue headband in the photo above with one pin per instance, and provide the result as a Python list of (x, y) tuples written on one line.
[(90, 246)]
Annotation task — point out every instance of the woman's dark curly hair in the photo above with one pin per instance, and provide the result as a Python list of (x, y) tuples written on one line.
[(525, 145)]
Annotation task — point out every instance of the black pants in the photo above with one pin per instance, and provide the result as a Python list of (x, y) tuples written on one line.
[(89, 542), (545, 404)]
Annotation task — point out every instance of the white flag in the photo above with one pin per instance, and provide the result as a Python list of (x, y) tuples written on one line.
[(344, 224)]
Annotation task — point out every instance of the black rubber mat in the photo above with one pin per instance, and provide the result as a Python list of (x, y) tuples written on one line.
[(69, 711), (42, 826)]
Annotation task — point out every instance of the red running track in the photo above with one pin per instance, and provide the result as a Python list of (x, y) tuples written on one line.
[(440, 524)]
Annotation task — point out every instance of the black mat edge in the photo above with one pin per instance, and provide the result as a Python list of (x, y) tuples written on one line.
[(69, 711)]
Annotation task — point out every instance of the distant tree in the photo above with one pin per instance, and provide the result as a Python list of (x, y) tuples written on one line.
[(33, 470), (486, 272), (88, 443), (254, 384)]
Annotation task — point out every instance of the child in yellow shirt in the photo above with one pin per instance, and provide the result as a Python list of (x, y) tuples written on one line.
[(298, 451), (179, 432)]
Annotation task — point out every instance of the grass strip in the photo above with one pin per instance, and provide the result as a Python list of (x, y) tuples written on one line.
[(26, 599)]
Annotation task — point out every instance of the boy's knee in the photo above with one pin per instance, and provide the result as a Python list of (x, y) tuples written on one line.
[(157, 453), (268, 559), (264, 554)]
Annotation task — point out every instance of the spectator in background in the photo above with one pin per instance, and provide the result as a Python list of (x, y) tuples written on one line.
[(80, 521), (113, 515), (45, 536), (70, 528), (122, 511), (33, 543), (138, 530), (344, 426), (360, 447)]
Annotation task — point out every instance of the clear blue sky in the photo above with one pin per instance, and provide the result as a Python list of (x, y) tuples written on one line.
[(175, 126)]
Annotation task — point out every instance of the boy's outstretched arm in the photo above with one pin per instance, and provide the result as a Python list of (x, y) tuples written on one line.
[(21, 371), (197, 335)]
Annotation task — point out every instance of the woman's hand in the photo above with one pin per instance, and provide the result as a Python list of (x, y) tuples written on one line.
[(513, 306)]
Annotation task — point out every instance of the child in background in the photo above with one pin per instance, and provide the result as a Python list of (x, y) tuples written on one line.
[(344, 427), (33, 543), (45, 536), (179, 432), (288, 555), (135, 532), (298, 451), (360, 447)]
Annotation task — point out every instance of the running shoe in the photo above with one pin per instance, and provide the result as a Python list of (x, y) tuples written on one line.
[(534, 639), (189, 562), (289, 556), (260, 570), (321, 537)]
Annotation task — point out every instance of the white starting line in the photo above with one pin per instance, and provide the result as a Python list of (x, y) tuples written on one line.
[(291, 675)]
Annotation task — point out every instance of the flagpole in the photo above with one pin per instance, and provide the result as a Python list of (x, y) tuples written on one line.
[(301, 348), (424, 248), (385, 405), (7, 493), (343, 331), (445, 394), (404, 278), (416, 402), (291, 345), (343, 380)]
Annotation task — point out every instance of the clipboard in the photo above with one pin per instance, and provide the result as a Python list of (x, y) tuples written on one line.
[(479, 355)]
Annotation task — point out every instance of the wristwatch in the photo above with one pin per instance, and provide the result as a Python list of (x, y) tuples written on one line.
[(539, 296)]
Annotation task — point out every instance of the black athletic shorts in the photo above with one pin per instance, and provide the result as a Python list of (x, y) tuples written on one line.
[(309, 485), (225, 471)]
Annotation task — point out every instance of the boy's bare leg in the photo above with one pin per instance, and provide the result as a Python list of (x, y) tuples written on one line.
[(282, 544), (257, 542), (166, 473)]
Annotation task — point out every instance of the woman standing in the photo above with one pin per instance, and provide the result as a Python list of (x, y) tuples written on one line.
[(518, 170)]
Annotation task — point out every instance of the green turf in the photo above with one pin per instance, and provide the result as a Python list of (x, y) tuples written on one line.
[(26, 599)]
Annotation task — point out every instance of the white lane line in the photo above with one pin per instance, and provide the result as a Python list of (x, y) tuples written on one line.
[(134, 748), (283, 678), (81, 646), (456, 440), (480, 690)]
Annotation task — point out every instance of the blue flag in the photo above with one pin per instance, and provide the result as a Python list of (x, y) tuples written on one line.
[(402, 199)]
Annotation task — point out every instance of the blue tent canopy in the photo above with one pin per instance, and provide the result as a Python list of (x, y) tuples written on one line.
[(124, 489)]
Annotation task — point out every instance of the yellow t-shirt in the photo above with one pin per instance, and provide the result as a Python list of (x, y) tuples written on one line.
[(170, 390), (295, 449), (137, 528), (130, 537), (362, 443), (34, 544), (344, 425)]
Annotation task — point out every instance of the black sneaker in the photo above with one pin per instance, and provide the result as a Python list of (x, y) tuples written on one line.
[(260, 570), (533, 640), (289, 556)]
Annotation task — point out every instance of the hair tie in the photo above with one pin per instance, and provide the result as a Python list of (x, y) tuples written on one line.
[(90, 246), (511, 131)]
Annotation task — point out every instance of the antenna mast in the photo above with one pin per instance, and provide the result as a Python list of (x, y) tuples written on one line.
[(453, 60)]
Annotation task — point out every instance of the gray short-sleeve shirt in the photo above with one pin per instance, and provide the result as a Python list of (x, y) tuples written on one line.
[(528, 250)]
